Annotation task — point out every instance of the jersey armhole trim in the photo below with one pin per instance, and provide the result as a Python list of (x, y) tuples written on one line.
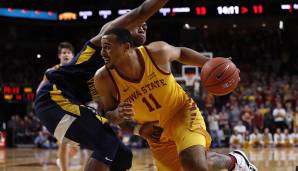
[(156, 66)]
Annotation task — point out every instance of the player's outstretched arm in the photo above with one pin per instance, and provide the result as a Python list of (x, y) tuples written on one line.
[(131, 19), (171, 53), (191, 57)]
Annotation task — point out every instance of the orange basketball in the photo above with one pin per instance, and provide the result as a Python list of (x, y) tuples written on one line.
[(220, 76)]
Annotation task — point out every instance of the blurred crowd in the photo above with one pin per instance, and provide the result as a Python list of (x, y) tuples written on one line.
[(28, 131), (262, 106)]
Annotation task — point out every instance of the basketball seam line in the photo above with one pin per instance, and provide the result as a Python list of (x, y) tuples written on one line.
[(215, 69), (222, 80)]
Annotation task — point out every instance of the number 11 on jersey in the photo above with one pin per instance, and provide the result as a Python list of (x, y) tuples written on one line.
[(149, 105)]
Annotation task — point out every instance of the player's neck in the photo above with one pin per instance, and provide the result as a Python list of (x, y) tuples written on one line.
[(131, 66)]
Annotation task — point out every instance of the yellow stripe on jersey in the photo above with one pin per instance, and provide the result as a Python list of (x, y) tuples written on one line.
[(65, 104), (86, 55), (102, 119)]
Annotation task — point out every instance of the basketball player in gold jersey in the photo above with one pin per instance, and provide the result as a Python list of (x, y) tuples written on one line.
[(136, 83)]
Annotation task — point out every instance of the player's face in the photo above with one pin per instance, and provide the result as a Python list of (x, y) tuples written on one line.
[(65, 56), (139, 34), (111, 50)]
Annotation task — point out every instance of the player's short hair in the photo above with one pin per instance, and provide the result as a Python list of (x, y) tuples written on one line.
[(123, 35), (65, 45)]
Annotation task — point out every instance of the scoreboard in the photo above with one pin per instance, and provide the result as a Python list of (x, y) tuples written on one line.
[(191, 9), (198, 10), (17, 93)]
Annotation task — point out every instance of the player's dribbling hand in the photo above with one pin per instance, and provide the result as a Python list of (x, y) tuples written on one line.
[(124, 112), (151, 132)]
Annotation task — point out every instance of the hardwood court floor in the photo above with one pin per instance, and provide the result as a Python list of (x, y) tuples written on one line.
[(269, 159)]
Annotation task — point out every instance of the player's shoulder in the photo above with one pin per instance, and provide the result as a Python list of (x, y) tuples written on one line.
[(157, 46), (103, 81), (159, 50), (101, 73)]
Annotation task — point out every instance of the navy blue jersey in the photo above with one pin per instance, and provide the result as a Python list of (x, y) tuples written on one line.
[(76, 79)]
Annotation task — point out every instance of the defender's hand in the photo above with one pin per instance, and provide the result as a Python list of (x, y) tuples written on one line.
[(151, 132)]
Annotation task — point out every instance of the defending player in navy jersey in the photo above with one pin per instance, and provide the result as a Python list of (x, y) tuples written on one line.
[(60, 99)]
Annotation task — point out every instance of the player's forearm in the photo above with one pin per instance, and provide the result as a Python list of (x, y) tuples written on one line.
[(145, 11), (131, 19), (191, 57), (138, 15)]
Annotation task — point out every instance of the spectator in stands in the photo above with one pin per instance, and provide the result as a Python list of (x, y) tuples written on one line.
[(279, 138), (240, 128), (20, 133), (214, 128), (246, 139), (11, 127), (295, 118), (223, 118), (267, 138), (263, 110), (234, 114), (258, 120), (227, 133), (28, 131), (247, 118), (289, 115), (288, 140), (295, 137), (236, 140), (256, 139), (43, 140), (279, 114)]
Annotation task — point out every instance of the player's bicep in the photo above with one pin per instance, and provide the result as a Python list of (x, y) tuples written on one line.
[(164, 51), (174, 53), (106, 103), (105, 97)]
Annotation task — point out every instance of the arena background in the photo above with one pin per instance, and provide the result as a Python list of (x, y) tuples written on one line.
[(261, 37)]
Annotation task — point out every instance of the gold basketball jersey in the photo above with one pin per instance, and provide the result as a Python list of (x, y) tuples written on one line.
[(156, 96)]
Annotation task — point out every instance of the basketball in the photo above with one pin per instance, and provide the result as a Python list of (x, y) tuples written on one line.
[(220, 76)]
